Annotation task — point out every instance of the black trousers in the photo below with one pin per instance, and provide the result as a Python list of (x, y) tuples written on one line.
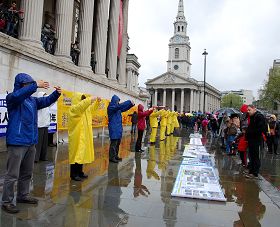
[(133, 128), (272, 144), (76, 170), (114, 148), (139, 140), (42, 146), (254, 155)]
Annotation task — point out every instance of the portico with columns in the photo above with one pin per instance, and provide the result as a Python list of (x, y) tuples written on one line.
[(176, 89), (97, 26)]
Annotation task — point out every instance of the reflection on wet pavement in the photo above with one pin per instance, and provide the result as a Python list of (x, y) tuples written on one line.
[(136, 192)]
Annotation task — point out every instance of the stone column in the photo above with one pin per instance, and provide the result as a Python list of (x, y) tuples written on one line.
[(30, 29), (155, 98), (100, 41), (112, 50), (64, 19), (86, 20), (173, 99), (122, 61), (191, 100), (129, 78), (182, 99), (164, 97), (194, 100)]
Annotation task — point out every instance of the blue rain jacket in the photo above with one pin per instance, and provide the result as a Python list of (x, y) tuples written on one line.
[(115, 116), (22, 108)]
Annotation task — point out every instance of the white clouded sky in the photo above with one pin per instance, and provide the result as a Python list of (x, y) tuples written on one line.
[(241, 36)]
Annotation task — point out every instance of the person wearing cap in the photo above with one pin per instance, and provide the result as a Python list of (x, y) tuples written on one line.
[(273, 135), (21, 138)]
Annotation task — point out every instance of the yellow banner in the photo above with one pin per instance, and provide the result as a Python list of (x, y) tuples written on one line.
[(63, 104)]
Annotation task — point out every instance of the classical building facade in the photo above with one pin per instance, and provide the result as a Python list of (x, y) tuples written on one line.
[(175, 88), (90, 33)]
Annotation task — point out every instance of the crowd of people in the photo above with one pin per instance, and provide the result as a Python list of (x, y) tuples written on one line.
[(27, 133)]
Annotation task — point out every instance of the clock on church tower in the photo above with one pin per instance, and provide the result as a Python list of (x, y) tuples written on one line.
[(179, 46)]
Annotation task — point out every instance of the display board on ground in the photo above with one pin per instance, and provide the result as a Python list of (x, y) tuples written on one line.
[(198, 182), (204, 161), (196, 141), (194, 151)]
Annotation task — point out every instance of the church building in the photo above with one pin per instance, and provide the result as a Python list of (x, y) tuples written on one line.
[(175, 88)]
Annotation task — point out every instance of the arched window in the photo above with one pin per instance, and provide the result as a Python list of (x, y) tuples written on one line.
[(182, 28), (178, 28), (177, 53)]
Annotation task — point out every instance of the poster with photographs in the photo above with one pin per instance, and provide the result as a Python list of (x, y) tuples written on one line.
[(203, 161), (195, 135), (196, 141), (199, 182), (194, 151)]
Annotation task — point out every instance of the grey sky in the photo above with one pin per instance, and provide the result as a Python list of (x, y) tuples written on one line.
[(241, 36)]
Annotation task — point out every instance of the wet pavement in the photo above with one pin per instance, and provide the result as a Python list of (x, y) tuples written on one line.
[(136, 192)]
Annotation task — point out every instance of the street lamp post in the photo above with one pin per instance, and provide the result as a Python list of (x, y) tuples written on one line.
[(151, 91), (204, 81)]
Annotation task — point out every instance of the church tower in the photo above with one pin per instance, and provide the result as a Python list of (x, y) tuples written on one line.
[(179, 46)]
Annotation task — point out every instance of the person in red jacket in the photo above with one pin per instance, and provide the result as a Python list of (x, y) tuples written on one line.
[(141, 125), (242, 146)]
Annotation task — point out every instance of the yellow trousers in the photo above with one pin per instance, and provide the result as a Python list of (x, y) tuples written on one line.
[(162, 132), (168, 129), (172, 129), (153, 135)]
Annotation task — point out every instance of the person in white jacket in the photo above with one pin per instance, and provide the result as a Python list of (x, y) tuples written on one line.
[(44, 120)]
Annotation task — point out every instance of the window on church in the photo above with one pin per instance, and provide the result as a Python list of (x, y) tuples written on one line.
[(182, 28), (177, 53), (178, 28)]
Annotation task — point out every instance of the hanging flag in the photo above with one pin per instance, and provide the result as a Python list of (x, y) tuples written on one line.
[(120, 35)]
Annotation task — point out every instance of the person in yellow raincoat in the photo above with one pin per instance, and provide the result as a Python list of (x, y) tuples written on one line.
[(163, 124), (80, 134), (175, 122), (154, 124), (169, 122)]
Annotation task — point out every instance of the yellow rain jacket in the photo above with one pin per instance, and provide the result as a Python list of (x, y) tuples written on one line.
[(153, 118), (80, 134), (169, 117), (175, 120), (163, 121)]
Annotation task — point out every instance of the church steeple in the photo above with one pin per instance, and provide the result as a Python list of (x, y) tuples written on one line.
[(180, 15), (179, 46), (180, 25)]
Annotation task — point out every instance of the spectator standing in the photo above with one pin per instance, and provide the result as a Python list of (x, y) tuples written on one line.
[(254, 132), (134, 120), (273, 135), (44, 121), (22, 135)]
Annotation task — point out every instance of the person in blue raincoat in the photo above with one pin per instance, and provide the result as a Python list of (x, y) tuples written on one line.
[(114, 112), (21, 137)]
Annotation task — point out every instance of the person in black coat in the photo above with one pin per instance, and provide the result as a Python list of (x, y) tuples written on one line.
[(273, 135), (255, 131)]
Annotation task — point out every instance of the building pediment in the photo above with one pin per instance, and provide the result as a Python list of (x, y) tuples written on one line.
[(170, 78)]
